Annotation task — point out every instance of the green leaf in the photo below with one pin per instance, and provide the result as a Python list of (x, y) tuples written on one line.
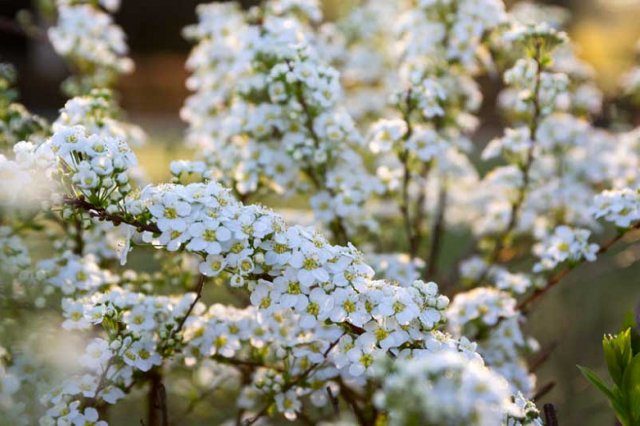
[(631, 388), (596, 381), (615, 397), (617, 354)]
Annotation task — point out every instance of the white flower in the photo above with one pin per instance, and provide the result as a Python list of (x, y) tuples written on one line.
[(141, 354), (212, 266), (564, 244), (385, 134), (88, 418)]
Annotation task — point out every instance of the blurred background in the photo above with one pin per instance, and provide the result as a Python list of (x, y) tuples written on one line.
[(572, 318)]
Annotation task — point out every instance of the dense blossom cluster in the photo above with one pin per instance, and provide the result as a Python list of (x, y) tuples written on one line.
[(371, 121), (444, 386), (286, 118), (565, 244), (88, 38)]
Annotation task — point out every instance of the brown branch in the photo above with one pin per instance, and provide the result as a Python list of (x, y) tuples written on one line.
[(411, 233), (302, 376), (102, 382), (153, 398), (198, 291), (557, 278), (543, 391), (101, 214), (420, 202), (78, 248), (542, 357), (550, 416), (350, 396), (436, 235), (245, 363), (162, 402), (516, 206)]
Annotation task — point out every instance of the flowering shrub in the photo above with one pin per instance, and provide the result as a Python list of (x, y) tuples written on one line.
[(370, 120)]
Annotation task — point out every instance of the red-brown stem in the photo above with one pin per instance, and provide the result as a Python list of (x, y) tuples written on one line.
[(557, 278)]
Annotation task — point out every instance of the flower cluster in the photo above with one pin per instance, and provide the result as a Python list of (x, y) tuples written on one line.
[(94, 165), (98, 113), (621, 207), (443, 388), (564, 244), (286, 267), (88, 38), (286, 119), (370, 120), (489, 315)]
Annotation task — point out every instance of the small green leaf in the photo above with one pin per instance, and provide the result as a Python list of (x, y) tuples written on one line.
[(617, 354), (614, 395), (631, 388), (593, 378)]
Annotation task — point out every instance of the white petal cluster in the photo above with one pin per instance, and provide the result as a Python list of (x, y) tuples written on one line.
[(288, 267), (489, 315), (397, 267), (443, 388), (524, 85), (621, 207), (98, 114), (14, 254), (95, 165), (423, 30), (26, 177), (88, 38), (71, 273), (280, 102), (277, 117), (564, 244)]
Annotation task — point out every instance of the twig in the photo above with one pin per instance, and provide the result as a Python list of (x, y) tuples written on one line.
[(334, 401), (436, 234), (245, 363), (78, 248), (162, 399), (294, 382), (351, 398), (155, 381), (337, 227), (10, 26), (550, 417), (542, 357), (404, 206), (557, 278), (411, 232), (101, 214), (198, 290), (420, 202), (517, 205), (543, 391)]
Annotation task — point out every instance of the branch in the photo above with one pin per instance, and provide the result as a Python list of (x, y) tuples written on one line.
[(536, 362), (245, 363), (516, 206), (101, 214), (543, 391), (412, 233), (437, 233), (199, 288), (337, 227), (557, 278), (550, 416), (294, 382)]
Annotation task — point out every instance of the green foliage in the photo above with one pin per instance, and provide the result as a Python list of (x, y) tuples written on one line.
[(622, 356)]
